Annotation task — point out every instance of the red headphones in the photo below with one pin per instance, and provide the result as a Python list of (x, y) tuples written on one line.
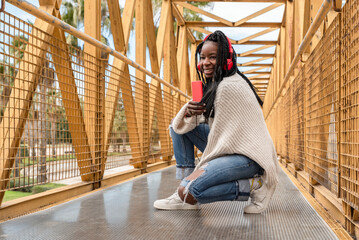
[(229, 60)]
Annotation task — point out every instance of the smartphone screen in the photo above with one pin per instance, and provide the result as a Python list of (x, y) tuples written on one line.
[(197, 91)]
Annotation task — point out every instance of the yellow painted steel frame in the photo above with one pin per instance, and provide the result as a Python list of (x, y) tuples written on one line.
[(310, 91)]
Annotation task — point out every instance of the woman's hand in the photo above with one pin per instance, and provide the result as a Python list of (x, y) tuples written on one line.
[(195, 108)]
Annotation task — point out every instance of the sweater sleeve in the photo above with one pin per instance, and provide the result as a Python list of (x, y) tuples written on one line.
[(182, 124)]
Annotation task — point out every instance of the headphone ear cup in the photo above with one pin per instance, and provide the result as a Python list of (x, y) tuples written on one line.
[(230, 64), (199, 67)]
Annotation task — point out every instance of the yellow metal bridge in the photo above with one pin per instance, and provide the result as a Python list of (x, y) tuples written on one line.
[(85, 119)]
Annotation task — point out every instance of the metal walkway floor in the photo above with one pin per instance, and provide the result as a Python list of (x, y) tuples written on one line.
[(125, 212)]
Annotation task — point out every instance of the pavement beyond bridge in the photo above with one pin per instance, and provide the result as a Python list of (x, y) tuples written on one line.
[(125, 211)]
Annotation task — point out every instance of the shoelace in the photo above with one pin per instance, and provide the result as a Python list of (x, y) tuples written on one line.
[(174, 195)]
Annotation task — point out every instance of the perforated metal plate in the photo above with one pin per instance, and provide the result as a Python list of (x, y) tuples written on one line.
[(125, 212)]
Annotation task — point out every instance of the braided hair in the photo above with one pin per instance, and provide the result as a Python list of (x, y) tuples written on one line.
[(211, 85)]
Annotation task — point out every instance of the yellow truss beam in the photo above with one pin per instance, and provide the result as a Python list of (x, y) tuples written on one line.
[(120, 78), (256, 35), (261, 1), (254, 70), (210, 15), (256, 14), (253, 51), (254, 61), (246, 24)]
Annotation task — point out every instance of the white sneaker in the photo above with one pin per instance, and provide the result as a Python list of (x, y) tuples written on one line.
[(174, 202), (260, 199)]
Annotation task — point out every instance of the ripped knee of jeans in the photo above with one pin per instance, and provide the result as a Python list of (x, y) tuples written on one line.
[(197, 173), (187, 182), (204, 166)]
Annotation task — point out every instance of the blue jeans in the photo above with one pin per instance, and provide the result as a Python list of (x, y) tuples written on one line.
[(224, 178), (183, 148)]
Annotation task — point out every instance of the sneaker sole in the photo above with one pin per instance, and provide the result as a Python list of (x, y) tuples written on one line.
[(176, 207)]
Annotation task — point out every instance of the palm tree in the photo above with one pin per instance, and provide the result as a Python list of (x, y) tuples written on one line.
[(46, 81), (119, 128), (53, 113), (73, 14), (8, 72), (8, 69)]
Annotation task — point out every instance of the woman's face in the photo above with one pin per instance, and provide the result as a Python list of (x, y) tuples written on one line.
[(207, 58)]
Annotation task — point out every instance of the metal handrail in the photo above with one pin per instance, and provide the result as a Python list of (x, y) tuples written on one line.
[(322, 12), (28, 7)]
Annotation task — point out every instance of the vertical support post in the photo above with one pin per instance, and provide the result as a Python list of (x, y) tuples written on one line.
[(283, 68), (306, 24), (141, 81), (314, 7), (276, 72), (289, 35), (173, 64), (182, 59), (339, 195), (298, 24), (94, 91), (101, 138), (167, 70), (278, 68)]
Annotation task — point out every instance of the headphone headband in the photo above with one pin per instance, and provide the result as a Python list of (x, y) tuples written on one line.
[(229, 60)]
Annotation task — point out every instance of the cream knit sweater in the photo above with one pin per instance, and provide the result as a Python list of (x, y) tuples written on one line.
[(238, 127)]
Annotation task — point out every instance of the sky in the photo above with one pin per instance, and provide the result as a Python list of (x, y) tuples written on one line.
[(228, 10)]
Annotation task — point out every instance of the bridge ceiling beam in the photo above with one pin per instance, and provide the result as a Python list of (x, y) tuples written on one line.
[(245, 24), (257, 1)]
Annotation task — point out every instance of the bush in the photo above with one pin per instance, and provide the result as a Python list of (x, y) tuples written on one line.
[(45, 187), (20, 183)]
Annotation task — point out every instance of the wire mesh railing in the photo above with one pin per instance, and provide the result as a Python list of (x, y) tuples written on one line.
[(297, 153), (349, 121), (322, 109), (57, 124), (322, 104)]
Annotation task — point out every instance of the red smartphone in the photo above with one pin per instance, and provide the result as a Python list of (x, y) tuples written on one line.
[(197, 91)]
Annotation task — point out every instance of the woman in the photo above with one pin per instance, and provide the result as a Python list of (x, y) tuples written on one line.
[(239, 160)]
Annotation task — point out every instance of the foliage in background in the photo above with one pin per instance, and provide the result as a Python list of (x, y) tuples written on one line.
[(72, 12)]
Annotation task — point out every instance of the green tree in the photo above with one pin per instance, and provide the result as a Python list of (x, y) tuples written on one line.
[(15, 53), (47, 79), (72, 13), (8, 68), (119, 129)]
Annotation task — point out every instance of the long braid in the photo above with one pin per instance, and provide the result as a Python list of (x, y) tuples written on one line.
[(251, 86)]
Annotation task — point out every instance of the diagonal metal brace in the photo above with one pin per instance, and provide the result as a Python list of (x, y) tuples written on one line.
[(2, 6)]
